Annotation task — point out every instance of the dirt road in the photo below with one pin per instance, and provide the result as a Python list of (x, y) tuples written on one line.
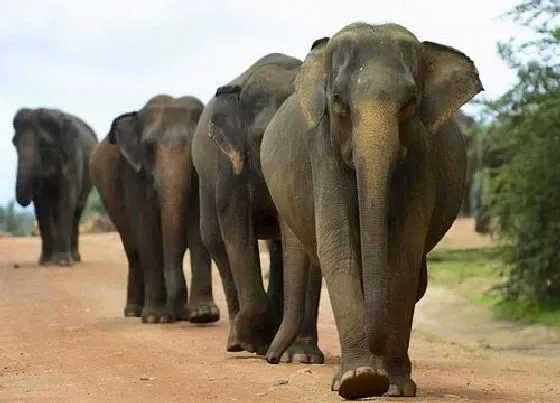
[(64, 340)]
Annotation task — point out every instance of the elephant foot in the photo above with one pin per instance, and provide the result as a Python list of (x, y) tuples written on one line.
[(401, 387), (157, 315), (233, 343), (256, 329), (63, 259), (45, 260), (360, 383), (132, 310), (76, 256), (203, 312), (303, 351)]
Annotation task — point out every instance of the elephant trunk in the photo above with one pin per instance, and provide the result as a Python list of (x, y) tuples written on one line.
[(376, 144), (25, 179), (172, 180)]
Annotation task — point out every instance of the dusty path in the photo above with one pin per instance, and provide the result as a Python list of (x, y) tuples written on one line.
[(64, 340)]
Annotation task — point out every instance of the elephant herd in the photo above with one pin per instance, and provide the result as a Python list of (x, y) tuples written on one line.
[(350, 165)]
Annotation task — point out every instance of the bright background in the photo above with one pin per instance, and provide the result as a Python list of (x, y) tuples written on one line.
[(97, 59)]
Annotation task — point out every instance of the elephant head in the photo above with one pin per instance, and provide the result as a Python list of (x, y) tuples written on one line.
[(372, 89), (241, 111), (164, 121), (44, 141)]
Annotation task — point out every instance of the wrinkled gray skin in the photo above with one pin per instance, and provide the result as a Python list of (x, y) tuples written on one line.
[(236, 209), (367, 172), (145, 177), (53, 150)]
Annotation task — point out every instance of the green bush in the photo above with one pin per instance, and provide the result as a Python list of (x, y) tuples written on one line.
[(525, 190)]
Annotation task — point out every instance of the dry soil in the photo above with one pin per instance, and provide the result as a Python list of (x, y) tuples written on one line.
[(64, 339)]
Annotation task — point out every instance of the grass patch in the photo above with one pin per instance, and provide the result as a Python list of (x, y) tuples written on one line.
[(452, 267), (477, 274), (519, 311)]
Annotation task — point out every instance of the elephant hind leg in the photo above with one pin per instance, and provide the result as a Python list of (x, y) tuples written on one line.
[(212, 239), (423, 280), (296, 266), (305, 348), (74, 242), (275, 287)]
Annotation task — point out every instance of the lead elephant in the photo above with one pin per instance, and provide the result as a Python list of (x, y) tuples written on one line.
[(236, 209), (145, 177), (53, 149), (367, 170)]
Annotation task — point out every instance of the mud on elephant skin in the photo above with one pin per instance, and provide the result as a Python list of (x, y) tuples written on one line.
[(145, 177), (53, 149), (367, 168), (236, 209)]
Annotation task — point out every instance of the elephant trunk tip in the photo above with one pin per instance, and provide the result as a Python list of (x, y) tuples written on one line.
[(23, 196), (23, 201)]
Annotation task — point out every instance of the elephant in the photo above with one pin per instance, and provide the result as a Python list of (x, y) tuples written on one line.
[(236, 209), (53, 149), (468, 205), (366, 167), (146, 181), (491, 157)]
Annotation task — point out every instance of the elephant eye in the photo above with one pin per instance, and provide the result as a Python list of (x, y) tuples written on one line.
[(339, 107), (408, 110)]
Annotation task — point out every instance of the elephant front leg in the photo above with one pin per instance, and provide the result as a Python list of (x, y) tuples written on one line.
[(156, 309), (257, 320), (44, 215), (305, 348), (135, 284), (174, 246), (407, 237), (358, 377), (202, 308), (405, 258), (336, 219), (74, 243), (144, 217), (156, 306), (63, 220)]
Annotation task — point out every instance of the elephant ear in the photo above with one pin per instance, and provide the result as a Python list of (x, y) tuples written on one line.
[(21, 118), (310, 83), (224, 126), (451, 80), (69, 136), (56, 128), (124, 132)]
